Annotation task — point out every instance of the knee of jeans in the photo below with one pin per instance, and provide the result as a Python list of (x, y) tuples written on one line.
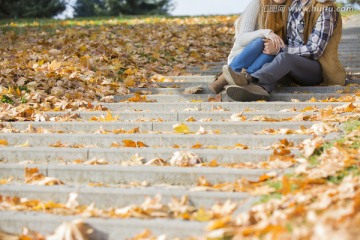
[(259, 41)]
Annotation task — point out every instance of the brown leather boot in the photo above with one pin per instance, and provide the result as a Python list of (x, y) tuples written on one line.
[(235, 78), (218, 85)]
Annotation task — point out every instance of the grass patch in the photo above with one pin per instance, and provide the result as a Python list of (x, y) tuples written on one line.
[(352, 126), (337, 179), (268, 197)]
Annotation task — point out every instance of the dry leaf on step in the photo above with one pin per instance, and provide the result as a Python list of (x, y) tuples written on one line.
[(185, 159), (309, 146), (193, 90), (75, 230)]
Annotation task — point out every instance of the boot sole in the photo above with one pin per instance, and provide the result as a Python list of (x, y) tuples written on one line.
[(242, 95), (230, 78)]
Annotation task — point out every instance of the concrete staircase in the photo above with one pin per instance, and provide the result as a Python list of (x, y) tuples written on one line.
[(155, 121)]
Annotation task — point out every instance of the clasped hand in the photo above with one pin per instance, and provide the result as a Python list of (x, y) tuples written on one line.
[(273, 44)]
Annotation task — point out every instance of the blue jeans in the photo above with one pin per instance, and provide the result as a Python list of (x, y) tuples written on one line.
[(252, 57)]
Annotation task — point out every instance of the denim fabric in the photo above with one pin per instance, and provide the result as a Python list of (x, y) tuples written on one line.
[(252, 57)]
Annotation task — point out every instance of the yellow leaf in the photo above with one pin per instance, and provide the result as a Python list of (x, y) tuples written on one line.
[(109, 117), (26, 144), (3, 142), (202, 215), (190, 119), (313, 100), (241, 146), (212, 147), (217, 224), (181, 128)]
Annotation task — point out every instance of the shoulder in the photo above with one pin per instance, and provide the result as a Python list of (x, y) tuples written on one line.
[(254, 4), (326, 8), (326, 4)]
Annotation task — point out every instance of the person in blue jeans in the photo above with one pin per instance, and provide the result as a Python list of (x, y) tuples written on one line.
[(252, 57)]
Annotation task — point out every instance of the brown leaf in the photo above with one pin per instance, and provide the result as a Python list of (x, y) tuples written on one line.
[(193, 90)]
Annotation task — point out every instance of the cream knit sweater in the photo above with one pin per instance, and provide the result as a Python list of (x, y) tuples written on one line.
[(246, 29)]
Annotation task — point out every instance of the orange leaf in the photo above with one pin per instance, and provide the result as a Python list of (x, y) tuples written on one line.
[(133, 144), (137, 98), (286, 186), (197, 146), (213, 163), (3, 142)]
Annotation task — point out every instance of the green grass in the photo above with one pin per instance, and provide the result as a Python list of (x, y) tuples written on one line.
[(352, 126), (337, 179)]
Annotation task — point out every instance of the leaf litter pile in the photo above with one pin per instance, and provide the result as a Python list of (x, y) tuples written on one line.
[(67, 66)]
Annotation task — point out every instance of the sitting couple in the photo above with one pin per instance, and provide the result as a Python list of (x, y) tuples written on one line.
[(279, 38)]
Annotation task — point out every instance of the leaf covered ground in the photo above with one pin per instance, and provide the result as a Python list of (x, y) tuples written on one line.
[(68, 64)]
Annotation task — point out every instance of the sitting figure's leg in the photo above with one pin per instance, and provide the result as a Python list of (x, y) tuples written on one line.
[(260, 62), (250, 53), (231, 74), (305, 71)]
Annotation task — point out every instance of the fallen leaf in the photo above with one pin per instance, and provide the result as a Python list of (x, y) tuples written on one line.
[(76, 229), (193, 90), (3, 143), (184, 159), (133, 144), (181, 128)]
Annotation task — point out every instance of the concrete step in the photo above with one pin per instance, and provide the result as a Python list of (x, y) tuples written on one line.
[(175, 116), (119, 155), (206, 97), (183, 80), (174, 88), (155, 140), (163, 127), (105, 229), (295, 90), (114, 174), (216, 106)]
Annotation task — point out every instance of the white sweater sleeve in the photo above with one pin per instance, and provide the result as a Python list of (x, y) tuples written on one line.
[(245, 31)]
